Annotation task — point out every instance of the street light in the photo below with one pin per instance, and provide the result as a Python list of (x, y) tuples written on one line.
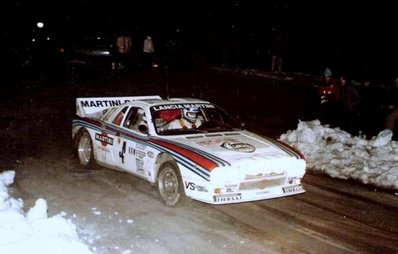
[(40, 25)]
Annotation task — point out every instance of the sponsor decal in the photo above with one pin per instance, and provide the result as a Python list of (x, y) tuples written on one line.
[(150, 154), (238, 146), (261, 175), (139, 164), (104, 139), (193, 186), (227, 198), (182, 106), (140, 146), (131, 151), (103, 103), (136, 152), (292, 189), (201, 188), (231, 188), (139, 156), (190, 185)]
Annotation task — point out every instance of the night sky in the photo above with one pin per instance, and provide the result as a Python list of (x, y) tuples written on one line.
[(357, 37)]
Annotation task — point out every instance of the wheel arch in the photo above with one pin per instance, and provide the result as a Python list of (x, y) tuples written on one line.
[(79, 132), (76, 133), (160, 160), (181, 199)]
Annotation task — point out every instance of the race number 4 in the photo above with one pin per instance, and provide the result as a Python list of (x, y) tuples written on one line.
[(123, 151)]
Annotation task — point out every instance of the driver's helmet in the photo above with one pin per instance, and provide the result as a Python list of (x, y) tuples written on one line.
[(140, 111), (141, 115), (190, 114)]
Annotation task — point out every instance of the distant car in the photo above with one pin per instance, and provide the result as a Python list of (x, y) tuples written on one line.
[(186, 147), (89, 51)]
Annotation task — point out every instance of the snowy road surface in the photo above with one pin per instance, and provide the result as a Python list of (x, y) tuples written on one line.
[(118, 213)]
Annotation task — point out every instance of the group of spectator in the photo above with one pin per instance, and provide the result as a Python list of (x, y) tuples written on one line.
[(125, 55), (356, 107)]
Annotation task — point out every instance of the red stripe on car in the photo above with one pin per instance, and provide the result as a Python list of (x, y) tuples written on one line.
[(195, 157)]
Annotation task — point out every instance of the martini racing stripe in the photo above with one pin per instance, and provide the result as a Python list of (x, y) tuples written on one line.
[(182, 159), (130, 136), (216, 159), (199, 159), (200, 171), (199, 163), (94, 125), (86, 124), (133, 137)]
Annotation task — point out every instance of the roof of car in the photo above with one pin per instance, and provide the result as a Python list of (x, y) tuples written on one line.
[(94, 105), (152, 102)]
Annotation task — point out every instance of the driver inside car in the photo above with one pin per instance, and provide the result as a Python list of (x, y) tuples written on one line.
[(137, 120), (189, 119)]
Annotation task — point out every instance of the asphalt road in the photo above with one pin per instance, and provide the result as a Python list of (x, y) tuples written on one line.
[(118, 213)]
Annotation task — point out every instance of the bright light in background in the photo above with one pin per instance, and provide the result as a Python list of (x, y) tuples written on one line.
[(40, 24)]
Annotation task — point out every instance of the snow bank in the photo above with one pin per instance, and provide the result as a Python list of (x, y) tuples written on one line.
[(34, 232), (341, 155)]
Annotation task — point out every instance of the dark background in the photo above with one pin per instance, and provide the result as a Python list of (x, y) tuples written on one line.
[(354, 37)]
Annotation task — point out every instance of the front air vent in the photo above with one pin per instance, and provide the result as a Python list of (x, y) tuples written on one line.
[(213, 135), (232, 134)]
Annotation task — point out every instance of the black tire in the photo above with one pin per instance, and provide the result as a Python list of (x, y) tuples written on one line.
[(84, 150), (170, 185)]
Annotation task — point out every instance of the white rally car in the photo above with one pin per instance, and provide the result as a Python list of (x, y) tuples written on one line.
[(186, 147)]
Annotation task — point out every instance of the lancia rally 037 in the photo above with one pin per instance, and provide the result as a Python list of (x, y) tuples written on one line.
[(186, 147)]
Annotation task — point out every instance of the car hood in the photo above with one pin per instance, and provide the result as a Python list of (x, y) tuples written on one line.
[(236, 146)]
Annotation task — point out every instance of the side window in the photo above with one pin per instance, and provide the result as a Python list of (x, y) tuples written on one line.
[(136, 120), (109, 112), (119, 117)]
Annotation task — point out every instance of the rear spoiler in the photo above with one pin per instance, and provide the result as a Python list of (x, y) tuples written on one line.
[(90, 106)]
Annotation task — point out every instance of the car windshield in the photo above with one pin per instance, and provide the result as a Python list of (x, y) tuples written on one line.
[(92, 45), (189, 118)]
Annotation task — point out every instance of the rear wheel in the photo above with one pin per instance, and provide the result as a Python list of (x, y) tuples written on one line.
[(85, 151), (169, 185)]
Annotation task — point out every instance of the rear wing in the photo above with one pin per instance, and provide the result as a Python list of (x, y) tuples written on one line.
[(91, 106)]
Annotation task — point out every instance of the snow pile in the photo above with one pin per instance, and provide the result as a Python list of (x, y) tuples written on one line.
[(341, 155), (34, 232)]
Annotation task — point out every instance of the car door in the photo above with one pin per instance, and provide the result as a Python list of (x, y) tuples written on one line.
[(131, 142), (112, 132), (103, 139)]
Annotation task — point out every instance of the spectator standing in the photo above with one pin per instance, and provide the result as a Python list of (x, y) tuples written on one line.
[(349, 101), (123, 51), (328, 89), (392, 118), (371, 110), (148, 52), (392, 107), (329, 95), (277, 48)]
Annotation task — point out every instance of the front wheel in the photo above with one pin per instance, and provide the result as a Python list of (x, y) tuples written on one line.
[(169, 184), (85, 151)]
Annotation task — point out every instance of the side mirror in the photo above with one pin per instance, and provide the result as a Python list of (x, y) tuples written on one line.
[(242, 125)]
